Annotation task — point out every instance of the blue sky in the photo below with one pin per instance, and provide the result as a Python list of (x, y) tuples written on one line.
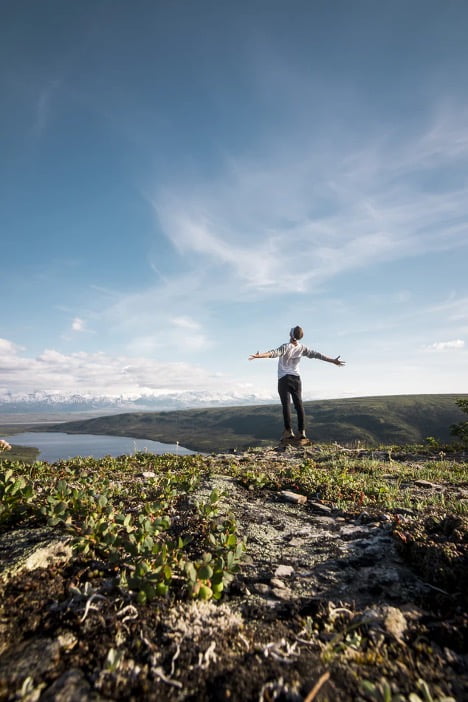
[(181, 182)]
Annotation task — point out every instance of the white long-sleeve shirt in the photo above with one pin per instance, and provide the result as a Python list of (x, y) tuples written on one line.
[(289, 355)]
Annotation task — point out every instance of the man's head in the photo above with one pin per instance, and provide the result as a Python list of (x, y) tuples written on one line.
[(296, 333)]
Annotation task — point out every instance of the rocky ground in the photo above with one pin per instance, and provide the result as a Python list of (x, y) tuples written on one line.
[(329, 604)]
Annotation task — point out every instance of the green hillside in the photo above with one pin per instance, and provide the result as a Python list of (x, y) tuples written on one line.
[(399, 419)]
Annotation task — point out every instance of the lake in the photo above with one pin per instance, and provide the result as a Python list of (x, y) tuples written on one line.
[(55, 446)]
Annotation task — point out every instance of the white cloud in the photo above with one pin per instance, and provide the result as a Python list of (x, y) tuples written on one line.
[(78, 325), (100, 374), (455, 344), (8, 348)]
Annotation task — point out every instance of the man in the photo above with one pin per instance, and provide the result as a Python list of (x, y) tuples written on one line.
[(289, 381)]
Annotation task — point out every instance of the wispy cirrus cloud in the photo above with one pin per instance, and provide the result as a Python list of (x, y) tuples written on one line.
[(291, 219)]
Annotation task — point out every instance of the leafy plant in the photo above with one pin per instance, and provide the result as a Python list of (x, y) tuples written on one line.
[(461, 429), (433, 443), (383, 691), (427, 695), (15, 494), (210, 508), (128, 523), (208, 576)]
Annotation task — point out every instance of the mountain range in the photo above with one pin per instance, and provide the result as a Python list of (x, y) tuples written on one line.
[(35, 402)]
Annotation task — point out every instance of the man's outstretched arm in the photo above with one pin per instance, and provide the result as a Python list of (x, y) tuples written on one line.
[(336, 360), (321, 357), (259, 355)]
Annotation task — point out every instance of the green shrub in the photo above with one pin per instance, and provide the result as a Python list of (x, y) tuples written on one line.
[(460, 430)]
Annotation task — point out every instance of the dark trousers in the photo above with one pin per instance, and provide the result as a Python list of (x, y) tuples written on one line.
[(290, 386)]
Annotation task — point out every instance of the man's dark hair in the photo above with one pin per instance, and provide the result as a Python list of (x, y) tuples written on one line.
[(298, 333)]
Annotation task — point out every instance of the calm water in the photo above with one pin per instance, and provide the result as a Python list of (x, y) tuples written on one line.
[(55, 446)]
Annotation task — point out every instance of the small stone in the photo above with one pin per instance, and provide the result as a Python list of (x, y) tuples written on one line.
[(294, 497), (323, 520), (261, 588), (67, 641), (284, 571), (276, 582), (281, 593), (428, 485), (354, 530), (321, 508), (148, 474), (391, 618), (395, 622)]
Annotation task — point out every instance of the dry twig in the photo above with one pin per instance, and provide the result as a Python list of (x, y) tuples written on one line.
[(317, 687), (89, 605)]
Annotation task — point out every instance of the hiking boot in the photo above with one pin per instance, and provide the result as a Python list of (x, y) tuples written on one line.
[(302, 435), (287, 434)]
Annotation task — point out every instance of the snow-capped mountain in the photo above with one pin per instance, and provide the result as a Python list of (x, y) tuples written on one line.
[(41, 401)]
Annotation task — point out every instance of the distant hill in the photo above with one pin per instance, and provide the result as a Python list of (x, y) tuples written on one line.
[(398, 419)]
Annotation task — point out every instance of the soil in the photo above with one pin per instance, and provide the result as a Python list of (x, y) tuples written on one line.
[(324, 600)]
